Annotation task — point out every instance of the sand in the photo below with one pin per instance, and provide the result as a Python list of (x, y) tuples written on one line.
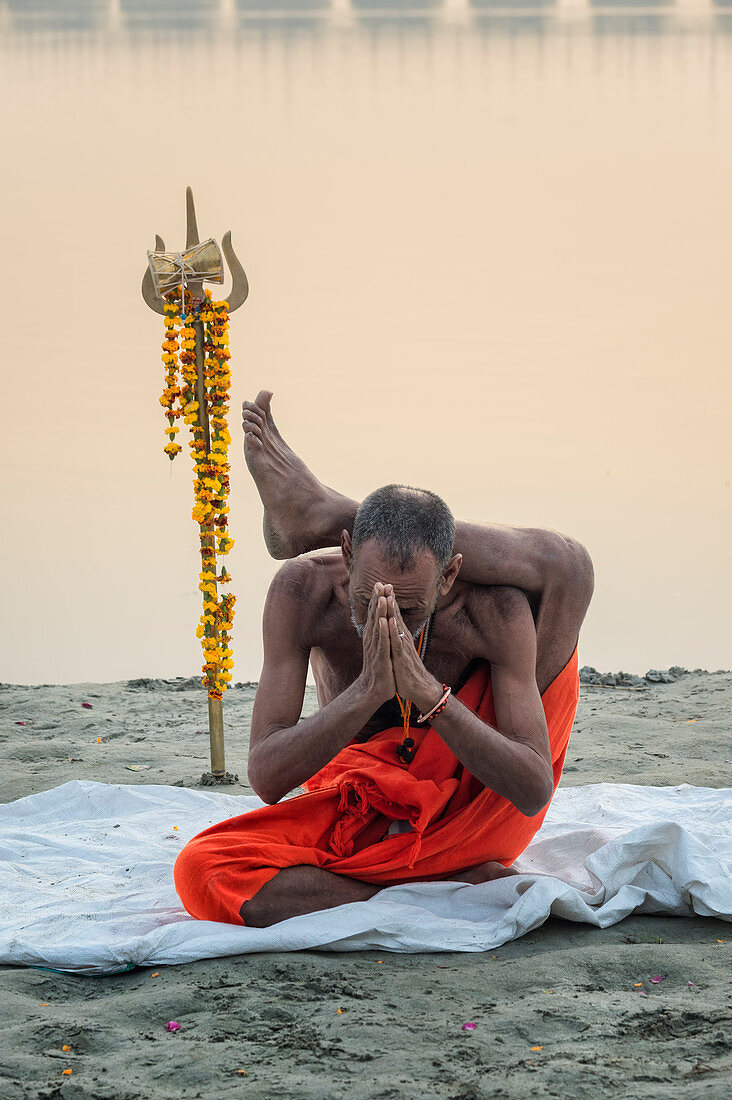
[(358, 1025)]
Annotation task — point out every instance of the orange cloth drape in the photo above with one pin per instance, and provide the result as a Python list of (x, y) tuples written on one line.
[(341, 822)]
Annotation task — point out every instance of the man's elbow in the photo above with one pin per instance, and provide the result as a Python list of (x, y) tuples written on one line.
[(541, 796), (262, 787), (266, 796), (531, 809)]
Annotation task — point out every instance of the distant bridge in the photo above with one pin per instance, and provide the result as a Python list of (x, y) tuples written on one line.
[(115, 14)]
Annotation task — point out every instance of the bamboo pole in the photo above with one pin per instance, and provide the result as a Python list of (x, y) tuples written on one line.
[(215, 706)]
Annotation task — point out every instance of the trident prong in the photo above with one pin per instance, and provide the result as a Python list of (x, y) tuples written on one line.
[(191, 227), (239, 282), (148, 289)]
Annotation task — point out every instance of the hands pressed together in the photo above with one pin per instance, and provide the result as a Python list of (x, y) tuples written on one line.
[(391, 663)]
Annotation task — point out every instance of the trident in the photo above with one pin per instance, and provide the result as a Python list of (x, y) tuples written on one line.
[(189, 270)]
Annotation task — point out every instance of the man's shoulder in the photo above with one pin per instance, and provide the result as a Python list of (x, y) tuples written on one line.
[(501, 600), (310, 581), (502, 620), (498, 609)]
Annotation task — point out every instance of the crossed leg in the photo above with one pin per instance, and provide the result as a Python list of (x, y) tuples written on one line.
[(297, 890)]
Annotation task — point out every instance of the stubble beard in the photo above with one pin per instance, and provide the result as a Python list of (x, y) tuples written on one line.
[(358, 627)]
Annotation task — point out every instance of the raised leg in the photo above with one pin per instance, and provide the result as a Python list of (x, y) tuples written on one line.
[(301, 514)]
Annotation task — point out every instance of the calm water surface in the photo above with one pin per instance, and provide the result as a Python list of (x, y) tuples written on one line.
[(489, 253)]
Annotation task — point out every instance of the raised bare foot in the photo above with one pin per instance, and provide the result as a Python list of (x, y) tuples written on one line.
[(300, 513)]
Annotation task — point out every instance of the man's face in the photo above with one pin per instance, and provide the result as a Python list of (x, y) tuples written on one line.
[(416, 589)]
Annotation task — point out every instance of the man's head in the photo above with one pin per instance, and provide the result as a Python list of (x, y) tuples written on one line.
[(403, 537)]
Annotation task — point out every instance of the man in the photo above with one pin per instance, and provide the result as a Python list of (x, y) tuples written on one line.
[(446, 667)]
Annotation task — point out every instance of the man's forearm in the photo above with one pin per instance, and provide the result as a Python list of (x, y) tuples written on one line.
[(287, 757), (511, 769)]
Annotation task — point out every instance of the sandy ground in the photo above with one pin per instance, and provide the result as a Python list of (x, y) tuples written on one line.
[(356, 1025)]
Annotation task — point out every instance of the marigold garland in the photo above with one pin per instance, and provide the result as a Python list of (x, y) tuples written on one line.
[(211, 481)]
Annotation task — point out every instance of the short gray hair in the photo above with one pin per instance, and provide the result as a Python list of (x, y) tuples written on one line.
[(405, 520)]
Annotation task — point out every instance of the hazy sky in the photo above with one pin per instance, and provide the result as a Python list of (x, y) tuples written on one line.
[(490, 257)]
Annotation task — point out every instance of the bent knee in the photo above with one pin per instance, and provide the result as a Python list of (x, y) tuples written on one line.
[(188, 873), (201, 883)]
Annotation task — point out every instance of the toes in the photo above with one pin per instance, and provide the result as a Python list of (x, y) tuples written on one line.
[(254, 406), (263, 399)]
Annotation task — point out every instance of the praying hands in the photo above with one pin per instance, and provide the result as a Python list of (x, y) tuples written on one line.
[(412, 679), (391, 663)]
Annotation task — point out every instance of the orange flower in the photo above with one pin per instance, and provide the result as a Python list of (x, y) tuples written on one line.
[(211, 481)]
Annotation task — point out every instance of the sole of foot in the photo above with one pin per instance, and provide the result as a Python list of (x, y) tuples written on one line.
[(292, 496)]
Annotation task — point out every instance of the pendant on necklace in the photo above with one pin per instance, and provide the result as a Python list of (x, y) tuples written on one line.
[(407, 750)]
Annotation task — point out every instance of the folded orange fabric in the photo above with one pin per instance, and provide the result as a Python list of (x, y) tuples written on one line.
[(341, 823)]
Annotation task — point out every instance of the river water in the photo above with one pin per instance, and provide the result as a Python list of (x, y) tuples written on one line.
[(489, 254)]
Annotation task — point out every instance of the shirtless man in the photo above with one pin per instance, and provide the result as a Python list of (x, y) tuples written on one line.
[(515, 597)]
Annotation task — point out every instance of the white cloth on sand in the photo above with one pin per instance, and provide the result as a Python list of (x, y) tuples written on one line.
[(87, 878)]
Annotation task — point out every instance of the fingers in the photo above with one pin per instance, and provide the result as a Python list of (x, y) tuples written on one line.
[(396, 641), (376, 645), (385, 649), (375, 613), (373, 604), (378, 602), (395, 614), (399, 632), (384, 636)]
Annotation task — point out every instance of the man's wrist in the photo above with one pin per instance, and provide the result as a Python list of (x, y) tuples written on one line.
[(430, 697), (368, 695)]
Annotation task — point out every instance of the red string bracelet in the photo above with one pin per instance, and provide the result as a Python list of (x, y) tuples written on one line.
[(437, 709)]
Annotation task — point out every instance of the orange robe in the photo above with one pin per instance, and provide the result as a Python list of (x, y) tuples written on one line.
[(341, 823)]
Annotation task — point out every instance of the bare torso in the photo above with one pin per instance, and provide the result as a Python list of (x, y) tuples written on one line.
[(473, 622)]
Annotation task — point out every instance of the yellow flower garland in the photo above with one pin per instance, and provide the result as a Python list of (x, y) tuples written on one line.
[(211, 483)]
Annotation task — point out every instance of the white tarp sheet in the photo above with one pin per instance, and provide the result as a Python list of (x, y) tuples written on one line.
[(87, 877)]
